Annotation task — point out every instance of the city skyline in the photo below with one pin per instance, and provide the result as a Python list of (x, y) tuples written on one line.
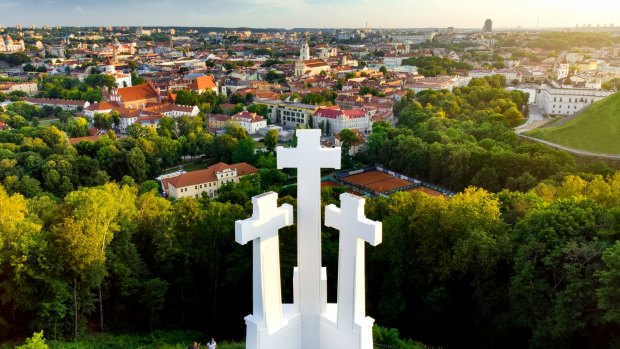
[(316, 13)]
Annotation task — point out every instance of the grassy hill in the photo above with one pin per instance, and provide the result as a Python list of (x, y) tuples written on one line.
[(597, 129)]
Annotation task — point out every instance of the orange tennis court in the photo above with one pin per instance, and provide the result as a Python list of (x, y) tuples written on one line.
[(377, 181), (428, 191)]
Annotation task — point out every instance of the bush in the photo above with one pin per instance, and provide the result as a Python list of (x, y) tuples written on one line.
[(37, 341)]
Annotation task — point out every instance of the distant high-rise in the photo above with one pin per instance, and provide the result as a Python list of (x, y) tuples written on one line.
[(488, 26)]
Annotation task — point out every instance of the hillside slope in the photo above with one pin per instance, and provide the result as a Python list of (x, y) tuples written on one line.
[(597, 129)]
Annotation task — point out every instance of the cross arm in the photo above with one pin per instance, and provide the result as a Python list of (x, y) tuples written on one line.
[(351, 217), (266, 219), (333, 217)]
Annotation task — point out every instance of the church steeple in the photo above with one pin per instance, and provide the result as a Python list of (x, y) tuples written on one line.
[(304, 52)]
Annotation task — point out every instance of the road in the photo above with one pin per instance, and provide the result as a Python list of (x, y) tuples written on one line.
[(535, 120)]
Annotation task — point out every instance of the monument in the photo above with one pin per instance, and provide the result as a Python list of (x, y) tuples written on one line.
[(310, 322)]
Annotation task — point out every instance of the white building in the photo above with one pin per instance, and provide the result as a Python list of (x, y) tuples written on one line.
[(8, 45), (209, 180), (122, 79), (339, 119), (509, 74), (328, 52), (311, 67), (415, 39), (28, 87), (393, 61), (573, 58), (251, 122), (567, 101), (561, 71), (308, 66)]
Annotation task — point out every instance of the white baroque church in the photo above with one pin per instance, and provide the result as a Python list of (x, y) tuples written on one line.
[(306, 66), (8, 45)]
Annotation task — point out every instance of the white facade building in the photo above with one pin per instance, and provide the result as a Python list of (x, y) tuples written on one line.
[(509, 74), (415, 39), (339, 119), (122, 79), (8, 45), (393, 61), (250, 122), (561, 71), (567, 101)]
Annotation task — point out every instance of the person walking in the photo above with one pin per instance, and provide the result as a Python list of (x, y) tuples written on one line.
[(212, 344)]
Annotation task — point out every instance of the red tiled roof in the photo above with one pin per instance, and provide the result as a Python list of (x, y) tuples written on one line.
[(163, 108), (203, 83), (336, 112), (102, 106), (208, 175), (137, 93), (54, 101), (248, 117)]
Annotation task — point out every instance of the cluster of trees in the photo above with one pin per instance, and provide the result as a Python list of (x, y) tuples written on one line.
[(18, 58), (507, 270), (566, 41), (229, 66), (612, 85), (464, 137), (20, 114), (511, 270), (68, 88), (433, 65), (208, 101), (31, 68), (326, 97), (275, 76), (94, 250)]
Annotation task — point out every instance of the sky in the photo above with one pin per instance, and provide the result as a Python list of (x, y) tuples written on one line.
[(310, 13)]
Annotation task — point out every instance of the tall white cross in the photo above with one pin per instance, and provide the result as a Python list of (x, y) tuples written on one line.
[(355, 229), (262, 228), (309, 158)]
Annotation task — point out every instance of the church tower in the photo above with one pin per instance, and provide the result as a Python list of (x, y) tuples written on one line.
[(304, 52), (115, 46)]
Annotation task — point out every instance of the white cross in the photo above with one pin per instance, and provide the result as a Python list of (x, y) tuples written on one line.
[(309, 158), (355, 229), (262, 229)]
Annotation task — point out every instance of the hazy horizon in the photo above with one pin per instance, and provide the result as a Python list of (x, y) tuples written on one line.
[(289, 14)]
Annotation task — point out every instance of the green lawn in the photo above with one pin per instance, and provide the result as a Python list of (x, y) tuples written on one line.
[(597, 129), (47, 122), (155, 340)]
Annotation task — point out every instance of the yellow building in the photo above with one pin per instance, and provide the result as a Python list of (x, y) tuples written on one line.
[(209, 180)]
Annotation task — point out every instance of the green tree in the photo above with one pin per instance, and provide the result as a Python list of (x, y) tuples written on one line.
[(154, 297), (136, 161), (558, 250), (271, 140), (244, 151)]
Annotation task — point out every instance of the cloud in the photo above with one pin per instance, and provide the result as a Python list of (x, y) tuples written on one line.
[(7, 4)]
